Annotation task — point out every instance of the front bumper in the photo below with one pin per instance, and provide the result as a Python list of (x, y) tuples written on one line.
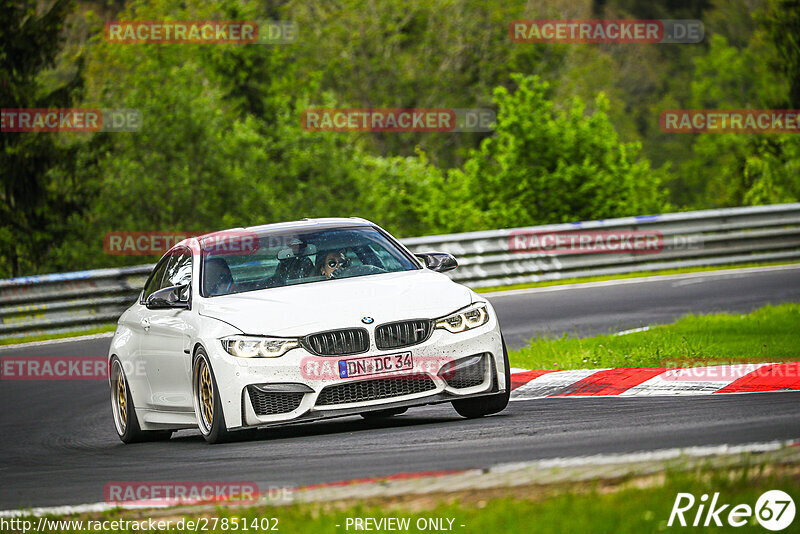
[(316, 415), (308, 375)]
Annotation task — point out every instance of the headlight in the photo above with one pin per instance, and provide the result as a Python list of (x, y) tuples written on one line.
[(258, 347), (472, 317)]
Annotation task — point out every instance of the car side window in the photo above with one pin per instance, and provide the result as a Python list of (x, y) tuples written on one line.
[(179, 270), (176, 270), (154, 283)]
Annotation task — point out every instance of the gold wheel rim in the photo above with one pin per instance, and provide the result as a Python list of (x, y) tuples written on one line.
[(122, 399), (206, 391)]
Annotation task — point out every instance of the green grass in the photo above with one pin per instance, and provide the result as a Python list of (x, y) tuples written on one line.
[(631, 511), (642, 274), (60, 335), (635, 506), (771, 333)]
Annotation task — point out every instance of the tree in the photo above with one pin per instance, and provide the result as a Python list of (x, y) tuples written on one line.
[(221, 142), (734, 169), (782, 24), (549, 165), (435, 54), (39, 188)]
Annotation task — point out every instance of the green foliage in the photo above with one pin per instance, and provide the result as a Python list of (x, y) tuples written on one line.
[(433, 54), (222, 144), (549, 165), (37, 187), (781, 20), (407, 195), (741, 168)]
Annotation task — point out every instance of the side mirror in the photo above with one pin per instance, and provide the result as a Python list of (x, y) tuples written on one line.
[(441, 262), (169, 297)]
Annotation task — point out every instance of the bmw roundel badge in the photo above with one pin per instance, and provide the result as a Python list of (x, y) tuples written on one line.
[(367, 320)]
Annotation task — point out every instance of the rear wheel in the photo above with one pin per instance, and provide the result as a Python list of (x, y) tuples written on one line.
[(208, 405), (383, 414), (480, 406), (124, 412)]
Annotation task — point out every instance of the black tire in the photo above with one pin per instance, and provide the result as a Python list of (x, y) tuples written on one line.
[(383, 414), (481, 406), (123, 411), (215, 430)]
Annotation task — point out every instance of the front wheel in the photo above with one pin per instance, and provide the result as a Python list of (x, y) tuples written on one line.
[(480, 406), (207, 403), (125, 420)]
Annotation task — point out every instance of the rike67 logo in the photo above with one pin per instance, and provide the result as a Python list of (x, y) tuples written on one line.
[(774, 510)]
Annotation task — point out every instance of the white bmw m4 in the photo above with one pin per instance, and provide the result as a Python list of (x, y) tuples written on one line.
[(296, 322)]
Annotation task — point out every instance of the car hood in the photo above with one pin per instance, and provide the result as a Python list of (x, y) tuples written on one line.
[(298, 310)]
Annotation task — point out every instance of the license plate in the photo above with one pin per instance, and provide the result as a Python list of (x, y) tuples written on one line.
[(375, 365)]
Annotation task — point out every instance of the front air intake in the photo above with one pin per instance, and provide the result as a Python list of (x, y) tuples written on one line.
[(466, 373), (368, 390), (402, 333), (273, 403), (337, 342)]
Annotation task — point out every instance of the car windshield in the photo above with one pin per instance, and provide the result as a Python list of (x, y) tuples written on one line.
[(295, 257)]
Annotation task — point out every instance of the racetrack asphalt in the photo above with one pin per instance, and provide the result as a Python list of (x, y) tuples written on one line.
[(58, 445)]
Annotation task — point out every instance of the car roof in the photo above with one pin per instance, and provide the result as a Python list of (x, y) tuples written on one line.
[(319, 223)]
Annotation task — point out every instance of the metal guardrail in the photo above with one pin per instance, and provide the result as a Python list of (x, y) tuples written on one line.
[(67, 301)]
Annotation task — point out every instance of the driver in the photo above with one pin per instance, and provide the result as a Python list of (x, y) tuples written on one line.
[(334, 263)]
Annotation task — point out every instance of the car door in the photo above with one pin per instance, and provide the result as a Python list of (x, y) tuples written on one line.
[(165, 342), (137, 320)]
